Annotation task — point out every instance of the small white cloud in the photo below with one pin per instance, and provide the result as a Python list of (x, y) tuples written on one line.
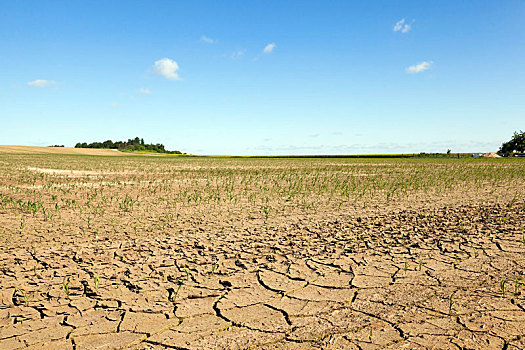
[(402, 27), (269, 48), (207, 40), (41, 83), (114, 105), (420, 67), (238, 54), (167, 68), (145, 91)]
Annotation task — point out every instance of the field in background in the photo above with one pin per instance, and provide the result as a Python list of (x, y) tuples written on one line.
[(224, 252), (57, 150)]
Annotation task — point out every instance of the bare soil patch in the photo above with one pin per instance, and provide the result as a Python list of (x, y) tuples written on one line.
[(71, 173)]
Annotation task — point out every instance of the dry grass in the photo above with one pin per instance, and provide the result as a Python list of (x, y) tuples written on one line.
[(58, 150)]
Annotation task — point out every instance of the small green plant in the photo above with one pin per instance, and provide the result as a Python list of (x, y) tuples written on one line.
[(127, 203), (65, 286), (266, 211), (502, 286), (96, 280), (370, 335), (214, 267), (450, 303), (516, 286), (175, 293), (24, 295)]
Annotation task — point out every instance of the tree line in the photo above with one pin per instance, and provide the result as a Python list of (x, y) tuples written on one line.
[(515, 145), (131, 145)]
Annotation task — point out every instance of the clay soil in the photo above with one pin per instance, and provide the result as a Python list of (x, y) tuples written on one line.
[(180, 253)]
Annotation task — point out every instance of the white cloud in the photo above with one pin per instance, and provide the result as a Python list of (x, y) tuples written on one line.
[(402, 27), (167, 68), (420, 67), (238, 54), (145, 91), (207, 40), (269, 48), (41, 83), (114, 105)]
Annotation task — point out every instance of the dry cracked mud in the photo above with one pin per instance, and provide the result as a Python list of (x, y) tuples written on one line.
[(436, 276)]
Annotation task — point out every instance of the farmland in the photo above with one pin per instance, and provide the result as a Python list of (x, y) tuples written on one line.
[(146, 252)]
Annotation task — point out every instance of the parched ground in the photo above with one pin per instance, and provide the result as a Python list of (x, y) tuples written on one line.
[(150, 253)]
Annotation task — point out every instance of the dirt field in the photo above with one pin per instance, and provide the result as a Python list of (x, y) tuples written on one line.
[(181, 253), (58, 150)]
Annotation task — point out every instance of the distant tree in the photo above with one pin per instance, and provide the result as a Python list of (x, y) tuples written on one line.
[(448, 152), (516, 144), (108, 144)]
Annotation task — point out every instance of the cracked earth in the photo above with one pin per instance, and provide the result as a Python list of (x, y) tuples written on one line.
[(400, 275)]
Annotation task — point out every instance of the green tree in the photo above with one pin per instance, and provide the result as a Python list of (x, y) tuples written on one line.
[(516, 144)]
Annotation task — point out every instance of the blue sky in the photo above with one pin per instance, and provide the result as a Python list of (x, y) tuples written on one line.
[(264, 77)]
